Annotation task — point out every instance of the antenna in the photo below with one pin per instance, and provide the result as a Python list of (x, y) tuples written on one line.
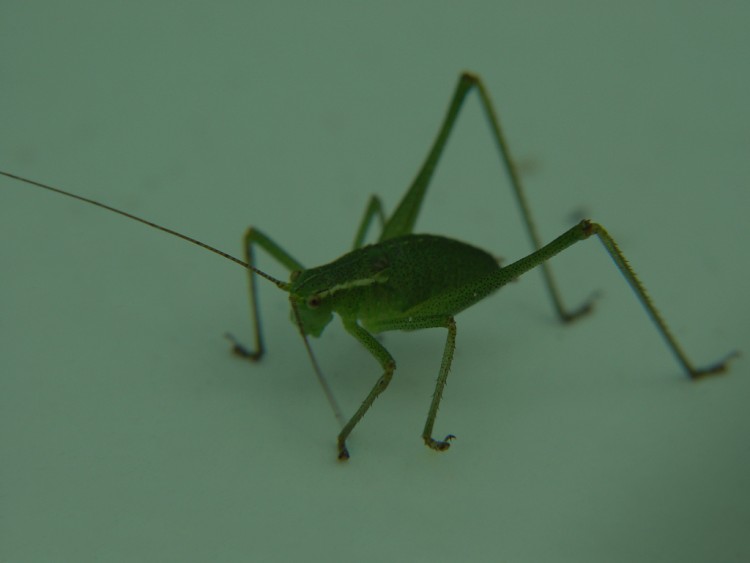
[(279, 283), (282, 285)]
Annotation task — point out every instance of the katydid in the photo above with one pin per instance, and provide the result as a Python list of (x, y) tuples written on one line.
[(408, 281)]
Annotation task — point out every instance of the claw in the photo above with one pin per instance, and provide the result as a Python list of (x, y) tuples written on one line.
[(439, 445), (239, 350), (714, 369)]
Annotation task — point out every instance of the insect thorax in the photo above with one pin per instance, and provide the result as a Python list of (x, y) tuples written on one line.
[(403, 276)]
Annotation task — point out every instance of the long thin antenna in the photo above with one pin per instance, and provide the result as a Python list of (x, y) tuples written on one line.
[(279, 283), (282, 285)]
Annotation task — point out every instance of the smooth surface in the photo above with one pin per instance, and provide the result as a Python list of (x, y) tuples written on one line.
[(127, 431)]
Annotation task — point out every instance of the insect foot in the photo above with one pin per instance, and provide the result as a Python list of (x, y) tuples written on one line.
[(343, 452), (698, 374), (239, 350), (437, 445), (582, 311)]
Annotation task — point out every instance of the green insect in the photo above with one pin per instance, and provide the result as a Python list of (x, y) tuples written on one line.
[(408, 281)]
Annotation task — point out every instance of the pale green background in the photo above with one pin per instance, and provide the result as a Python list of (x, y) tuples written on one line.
[(128, 433)]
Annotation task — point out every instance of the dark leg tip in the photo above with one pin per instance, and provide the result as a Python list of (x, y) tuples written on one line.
[(586, 308), (239, 350), (714, 369), (439, 445), (343, 453)]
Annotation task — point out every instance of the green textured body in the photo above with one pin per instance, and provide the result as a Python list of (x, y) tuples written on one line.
[(397, 283)]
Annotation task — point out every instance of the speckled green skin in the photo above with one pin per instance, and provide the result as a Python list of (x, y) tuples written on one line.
[(394, 284)]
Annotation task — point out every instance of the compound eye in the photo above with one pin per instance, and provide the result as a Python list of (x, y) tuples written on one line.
[(313, 302)]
